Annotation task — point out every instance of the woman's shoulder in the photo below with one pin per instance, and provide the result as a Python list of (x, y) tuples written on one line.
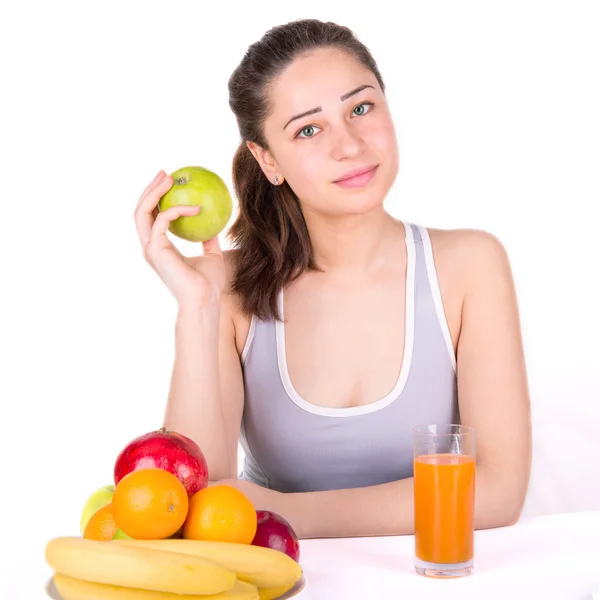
[(231, 305), (228, 298), (463, 239), (469, 251), (229, 257)]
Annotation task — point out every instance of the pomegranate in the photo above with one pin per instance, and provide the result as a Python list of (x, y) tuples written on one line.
[(275, 532), (166, 450)]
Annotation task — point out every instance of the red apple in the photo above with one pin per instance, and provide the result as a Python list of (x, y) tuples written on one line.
[(275, 532), (166, 450)]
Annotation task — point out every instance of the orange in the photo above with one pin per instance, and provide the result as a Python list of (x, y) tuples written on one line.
[(101, 525), (220, 513), (150, 504)]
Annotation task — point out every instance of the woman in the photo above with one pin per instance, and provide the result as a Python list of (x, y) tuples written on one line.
[(388, 325)]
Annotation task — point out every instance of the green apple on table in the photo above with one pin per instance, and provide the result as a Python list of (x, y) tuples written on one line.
[(101, 497), (197, 186)]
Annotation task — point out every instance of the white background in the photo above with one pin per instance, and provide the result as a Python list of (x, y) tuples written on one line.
[(496, 109)]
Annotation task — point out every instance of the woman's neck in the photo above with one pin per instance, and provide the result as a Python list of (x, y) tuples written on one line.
[(354, 243)]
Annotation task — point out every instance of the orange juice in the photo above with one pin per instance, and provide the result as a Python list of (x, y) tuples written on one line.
[(444, 493)]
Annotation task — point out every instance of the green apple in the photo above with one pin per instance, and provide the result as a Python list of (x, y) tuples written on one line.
[(197, 186), (121, 535), (101, 497)]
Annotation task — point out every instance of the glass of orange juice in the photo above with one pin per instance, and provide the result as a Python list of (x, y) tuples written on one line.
[(444, 499)]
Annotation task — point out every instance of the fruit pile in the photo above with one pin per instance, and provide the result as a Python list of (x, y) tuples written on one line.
[(160, 532)]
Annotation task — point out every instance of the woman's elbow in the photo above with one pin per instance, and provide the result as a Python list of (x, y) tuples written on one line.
[(504, 517), (502, 503), (511, 516)]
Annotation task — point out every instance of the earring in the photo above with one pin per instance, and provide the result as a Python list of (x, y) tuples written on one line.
[(276, 181)]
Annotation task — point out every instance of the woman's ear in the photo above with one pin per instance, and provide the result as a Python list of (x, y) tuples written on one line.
[(266, 161)]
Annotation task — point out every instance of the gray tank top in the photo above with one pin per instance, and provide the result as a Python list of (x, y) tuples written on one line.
[(291, 445)]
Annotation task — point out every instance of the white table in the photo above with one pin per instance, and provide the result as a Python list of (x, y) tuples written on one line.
[(542, 558), (554, 556)]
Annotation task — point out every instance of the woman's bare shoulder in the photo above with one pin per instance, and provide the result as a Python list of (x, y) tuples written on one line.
[(464, 239), (229, 257), (230, 303), (467, 251)]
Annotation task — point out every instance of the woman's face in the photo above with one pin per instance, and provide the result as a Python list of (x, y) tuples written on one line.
[(344, 132)]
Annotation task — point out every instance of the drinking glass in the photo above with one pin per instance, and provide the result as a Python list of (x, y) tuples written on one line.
[(444, 499)]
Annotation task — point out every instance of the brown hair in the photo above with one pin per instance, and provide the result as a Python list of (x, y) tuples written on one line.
[(269, 234)]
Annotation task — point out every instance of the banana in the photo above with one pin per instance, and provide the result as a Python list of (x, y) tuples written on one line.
[(270, 593), (76, 589), (260, 566), (137, 567)]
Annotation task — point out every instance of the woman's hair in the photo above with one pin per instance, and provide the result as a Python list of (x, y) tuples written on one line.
[(269, 234)]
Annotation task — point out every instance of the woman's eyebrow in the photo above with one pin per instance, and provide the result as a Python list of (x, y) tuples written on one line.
[(344, 97)]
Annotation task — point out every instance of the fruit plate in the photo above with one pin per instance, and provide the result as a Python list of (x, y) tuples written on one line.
[(299, 587)]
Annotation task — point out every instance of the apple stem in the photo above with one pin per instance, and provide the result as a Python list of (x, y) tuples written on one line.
[(163, 430)]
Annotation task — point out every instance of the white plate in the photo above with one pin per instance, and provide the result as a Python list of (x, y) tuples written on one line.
[(300, 585)]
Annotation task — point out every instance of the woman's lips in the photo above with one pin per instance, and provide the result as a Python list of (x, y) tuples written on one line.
[(358, 180)]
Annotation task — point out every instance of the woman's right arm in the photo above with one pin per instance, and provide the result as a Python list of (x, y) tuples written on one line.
[(205, 400), (206, 397)]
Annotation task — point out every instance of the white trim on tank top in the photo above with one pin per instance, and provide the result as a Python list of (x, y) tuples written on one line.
[(406, 359), (249, 338), (436, 293)]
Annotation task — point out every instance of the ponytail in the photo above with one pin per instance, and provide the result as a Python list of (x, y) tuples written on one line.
[(270, 236)]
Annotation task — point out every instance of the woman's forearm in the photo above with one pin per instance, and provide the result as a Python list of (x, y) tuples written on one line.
[(378, 510), (194, 402), (388, 509)]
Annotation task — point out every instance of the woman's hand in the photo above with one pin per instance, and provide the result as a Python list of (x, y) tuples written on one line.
[(193, 281), (262, 498)]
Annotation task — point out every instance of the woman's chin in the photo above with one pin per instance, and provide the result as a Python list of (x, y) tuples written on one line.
[(360, 204)]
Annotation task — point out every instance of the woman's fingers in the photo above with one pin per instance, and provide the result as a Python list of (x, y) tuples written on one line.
[(158, 239), (157, 178), (146, 209)]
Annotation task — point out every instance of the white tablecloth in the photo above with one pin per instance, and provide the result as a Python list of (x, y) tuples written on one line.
[(554, 556), (542, 558)]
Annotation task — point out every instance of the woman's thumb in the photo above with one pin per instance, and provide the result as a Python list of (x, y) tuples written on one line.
[(212, 246)]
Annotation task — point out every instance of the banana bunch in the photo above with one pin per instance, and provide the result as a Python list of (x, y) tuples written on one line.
[(168, 569)]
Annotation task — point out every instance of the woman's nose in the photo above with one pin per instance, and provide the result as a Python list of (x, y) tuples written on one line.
[(347, 143)]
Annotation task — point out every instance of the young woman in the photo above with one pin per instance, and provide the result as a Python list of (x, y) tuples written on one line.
[(388, 325)]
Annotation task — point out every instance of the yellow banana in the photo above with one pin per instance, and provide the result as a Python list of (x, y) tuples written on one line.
[(137, 567), (270, 593), (260, 566), (76, 589)]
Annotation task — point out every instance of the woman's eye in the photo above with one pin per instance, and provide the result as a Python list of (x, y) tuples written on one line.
[(305, 129), (310, 128), (369, 104)]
